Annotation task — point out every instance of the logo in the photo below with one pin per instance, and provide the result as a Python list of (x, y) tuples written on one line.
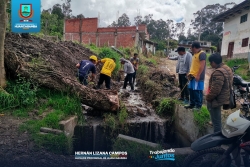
[(162, 155), (25, 16), (26, 11)]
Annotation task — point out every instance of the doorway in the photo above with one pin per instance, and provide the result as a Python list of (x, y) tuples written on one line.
[(230, 50)]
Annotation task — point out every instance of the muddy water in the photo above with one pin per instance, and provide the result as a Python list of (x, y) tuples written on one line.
[(142, 123)]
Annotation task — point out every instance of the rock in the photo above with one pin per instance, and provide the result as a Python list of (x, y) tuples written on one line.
[(141, 112), (19, 141), (125, 95)]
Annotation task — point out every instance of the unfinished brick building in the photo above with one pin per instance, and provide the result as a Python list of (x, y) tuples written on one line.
[(86, 31)]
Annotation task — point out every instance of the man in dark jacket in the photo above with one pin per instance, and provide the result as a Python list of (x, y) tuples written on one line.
[(218, 93)]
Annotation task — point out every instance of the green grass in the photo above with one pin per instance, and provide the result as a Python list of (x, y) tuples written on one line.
[(166, 107), (201, 118), (153, 61), (42, 107), (243, 69), (207, 62), (57, 106), (142, 69)]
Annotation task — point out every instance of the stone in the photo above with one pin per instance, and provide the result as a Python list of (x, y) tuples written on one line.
[(141, 112)]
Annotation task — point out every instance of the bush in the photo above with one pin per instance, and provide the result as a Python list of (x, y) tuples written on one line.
[(201, 118), (166, 107), (108, 53), (22, 93)]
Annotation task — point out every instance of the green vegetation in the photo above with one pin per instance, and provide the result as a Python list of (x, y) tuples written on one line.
[(166, 107), (116, 121), (243, 69), (153, 61), (44, 108), (20, 94), (201, 118), (138, 154), (143, 69), (207, 62)]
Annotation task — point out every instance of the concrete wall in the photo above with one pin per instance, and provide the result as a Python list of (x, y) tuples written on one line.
[(234, 31)]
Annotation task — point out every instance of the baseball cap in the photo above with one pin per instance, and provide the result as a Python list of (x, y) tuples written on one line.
[(196, 45), (180, 49)]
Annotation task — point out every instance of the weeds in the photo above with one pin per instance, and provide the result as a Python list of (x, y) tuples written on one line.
[(243, 69), (110, 121), (201, 118), (166, 107), (142, 70), (25, 97), (22, 93), (123, 115)]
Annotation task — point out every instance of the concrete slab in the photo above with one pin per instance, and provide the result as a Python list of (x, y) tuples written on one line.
[(50, 130), (68, 126), (154, 145)]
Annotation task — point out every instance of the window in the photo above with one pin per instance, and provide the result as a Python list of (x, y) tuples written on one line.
[(205, 43), (244, 42), (201, 43), (243, 18)]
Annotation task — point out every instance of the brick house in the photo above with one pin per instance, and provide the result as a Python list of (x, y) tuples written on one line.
[(88, 30)]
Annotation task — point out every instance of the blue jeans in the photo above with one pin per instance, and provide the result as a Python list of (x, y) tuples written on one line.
[(215, 115), (83, 79), (196, 98)]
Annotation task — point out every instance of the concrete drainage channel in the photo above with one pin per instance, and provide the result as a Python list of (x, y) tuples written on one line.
[(149, 130), (143, 126)]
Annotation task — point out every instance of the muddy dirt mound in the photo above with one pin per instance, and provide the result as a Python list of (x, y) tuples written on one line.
[(62, 54), (52, 64), (157, 84)]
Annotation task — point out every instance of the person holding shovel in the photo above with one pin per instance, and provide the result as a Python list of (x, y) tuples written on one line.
[(182, 69)]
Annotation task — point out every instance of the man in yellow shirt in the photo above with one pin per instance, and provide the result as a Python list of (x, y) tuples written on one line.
[(197, 77), (107, 69)]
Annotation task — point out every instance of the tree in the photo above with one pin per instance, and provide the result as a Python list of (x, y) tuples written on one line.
[(3, 22), (113, 24), (123, 21), (181, 38), (66, 9), (203, 24), (138, 20), (57, 10), (49, 23)]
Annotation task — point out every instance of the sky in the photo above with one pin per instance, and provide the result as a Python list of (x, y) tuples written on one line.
[(178, 10)]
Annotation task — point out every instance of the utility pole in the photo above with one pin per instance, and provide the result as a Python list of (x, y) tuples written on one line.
[(200, 27)]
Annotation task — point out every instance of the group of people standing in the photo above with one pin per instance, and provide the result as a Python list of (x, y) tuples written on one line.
[(85, 67), (191, 72)]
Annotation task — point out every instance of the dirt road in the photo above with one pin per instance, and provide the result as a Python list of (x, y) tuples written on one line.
[(171, 66)]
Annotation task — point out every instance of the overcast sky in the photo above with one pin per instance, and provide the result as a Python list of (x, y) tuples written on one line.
[(178, 10)]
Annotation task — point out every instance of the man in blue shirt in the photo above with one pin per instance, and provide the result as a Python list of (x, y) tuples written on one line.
[(85, 67)]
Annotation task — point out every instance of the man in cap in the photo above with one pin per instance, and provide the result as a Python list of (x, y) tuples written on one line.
[(129, 70), (85, 67), (107, 69), (182, 68), (197, 77)]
